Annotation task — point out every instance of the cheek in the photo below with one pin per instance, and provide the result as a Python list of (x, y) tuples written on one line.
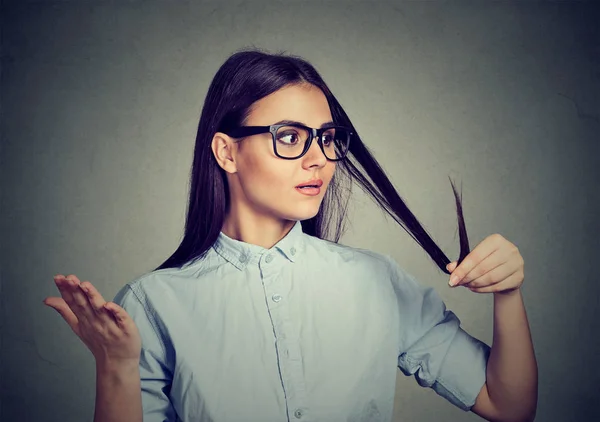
[(265, 177), (329, 170)]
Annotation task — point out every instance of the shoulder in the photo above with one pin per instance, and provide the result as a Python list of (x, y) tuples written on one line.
[(161, 285), (384, 264), (348, 254)]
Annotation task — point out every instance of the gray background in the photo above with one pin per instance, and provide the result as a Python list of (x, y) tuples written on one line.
[(100, 103)]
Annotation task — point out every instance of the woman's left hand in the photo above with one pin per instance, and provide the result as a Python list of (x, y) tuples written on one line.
[(494, 266)]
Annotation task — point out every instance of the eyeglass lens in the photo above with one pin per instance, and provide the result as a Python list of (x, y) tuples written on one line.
[(291, 140)]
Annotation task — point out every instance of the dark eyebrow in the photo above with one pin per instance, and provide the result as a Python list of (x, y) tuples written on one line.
[(293, 122)]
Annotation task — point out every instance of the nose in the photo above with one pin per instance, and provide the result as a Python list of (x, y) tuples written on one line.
[(314, 156)]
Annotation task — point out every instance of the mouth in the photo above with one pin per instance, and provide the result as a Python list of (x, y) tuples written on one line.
[(310, 188), (315, 183)]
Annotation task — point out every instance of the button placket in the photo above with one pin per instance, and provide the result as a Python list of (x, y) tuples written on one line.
[(277, 283)]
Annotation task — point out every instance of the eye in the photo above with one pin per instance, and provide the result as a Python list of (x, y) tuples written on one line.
[(327, 138), (289, 137)]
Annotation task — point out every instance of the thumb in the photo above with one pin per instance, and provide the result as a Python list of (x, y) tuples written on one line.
[(451, 266), (60, 306)]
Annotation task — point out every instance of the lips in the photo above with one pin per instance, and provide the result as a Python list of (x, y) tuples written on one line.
[(315, 183)]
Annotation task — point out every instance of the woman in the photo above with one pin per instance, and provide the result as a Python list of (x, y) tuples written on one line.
[(257, 317)]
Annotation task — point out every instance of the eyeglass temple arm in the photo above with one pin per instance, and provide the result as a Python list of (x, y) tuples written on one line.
[(247, 131)]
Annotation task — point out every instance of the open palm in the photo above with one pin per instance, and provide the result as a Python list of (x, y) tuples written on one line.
[(104, 327)]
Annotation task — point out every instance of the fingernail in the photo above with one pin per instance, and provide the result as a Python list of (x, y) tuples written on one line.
[(453, 280)]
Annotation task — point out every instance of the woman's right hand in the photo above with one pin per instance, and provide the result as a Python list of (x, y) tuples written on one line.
[(104, 327)]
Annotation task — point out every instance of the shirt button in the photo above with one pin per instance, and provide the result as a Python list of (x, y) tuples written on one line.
[(269, 258), (298, 413), (293, 251), (243, 258), (276, 298)]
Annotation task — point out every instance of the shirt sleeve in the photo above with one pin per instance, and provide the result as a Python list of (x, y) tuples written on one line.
[(433, 346), (155, 374)]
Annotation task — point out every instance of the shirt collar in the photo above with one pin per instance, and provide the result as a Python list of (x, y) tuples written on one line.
[(241, 253)]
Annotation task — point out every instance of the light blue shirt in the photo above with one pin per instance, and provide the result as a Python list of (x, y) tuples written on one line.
[(308, 330)]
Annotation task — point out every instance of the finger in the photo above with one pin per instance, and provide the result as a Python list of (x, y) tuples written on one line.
[(485, 266), (77, 300), (96, 302), (60, 306), (451, 266), (120, 317), (93, 296), (506, 284), (496, 275), (499, 257), (63, 285), (487, 247)]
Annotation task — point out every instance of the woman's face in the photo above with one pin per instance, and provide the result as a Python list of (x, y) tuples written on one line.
[(262, 183)]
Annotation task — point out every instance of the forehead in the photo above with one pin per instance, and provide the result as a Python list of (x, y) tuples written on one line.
[(304, 103)]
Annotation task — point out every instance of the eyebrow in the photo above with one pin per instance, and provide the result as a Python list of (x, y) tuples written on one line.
[(294, 122)]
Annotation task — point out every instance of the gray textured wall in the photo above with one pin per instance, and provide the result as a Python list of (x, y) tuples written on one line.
[(100, 102)]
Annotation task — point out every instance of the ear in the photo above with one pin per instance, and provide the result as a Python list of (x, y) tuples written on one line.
[(223, 149)]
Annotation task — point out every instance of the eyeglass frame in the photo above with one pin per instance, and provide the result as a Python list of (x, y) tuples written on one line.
[(243, 131)]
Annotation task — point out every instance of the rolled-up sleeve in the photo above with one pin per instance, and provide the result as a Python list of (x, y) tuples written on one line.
[(155, 372), (433, 346)]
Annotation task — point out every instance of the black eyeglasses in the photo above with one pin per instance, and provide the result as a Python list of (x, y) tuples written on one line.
[(292, 141)]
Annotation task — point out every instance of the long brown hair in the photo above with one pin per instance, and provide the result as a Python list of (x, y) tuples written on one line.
[(244, 78)]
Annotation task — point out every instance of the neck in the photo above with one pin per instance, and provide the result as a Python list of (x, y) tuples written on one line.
[(258, 230)]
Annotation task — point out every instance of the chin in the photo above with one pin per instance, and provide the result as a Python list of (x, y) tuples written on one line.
[(300, 215), (297, 209)]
